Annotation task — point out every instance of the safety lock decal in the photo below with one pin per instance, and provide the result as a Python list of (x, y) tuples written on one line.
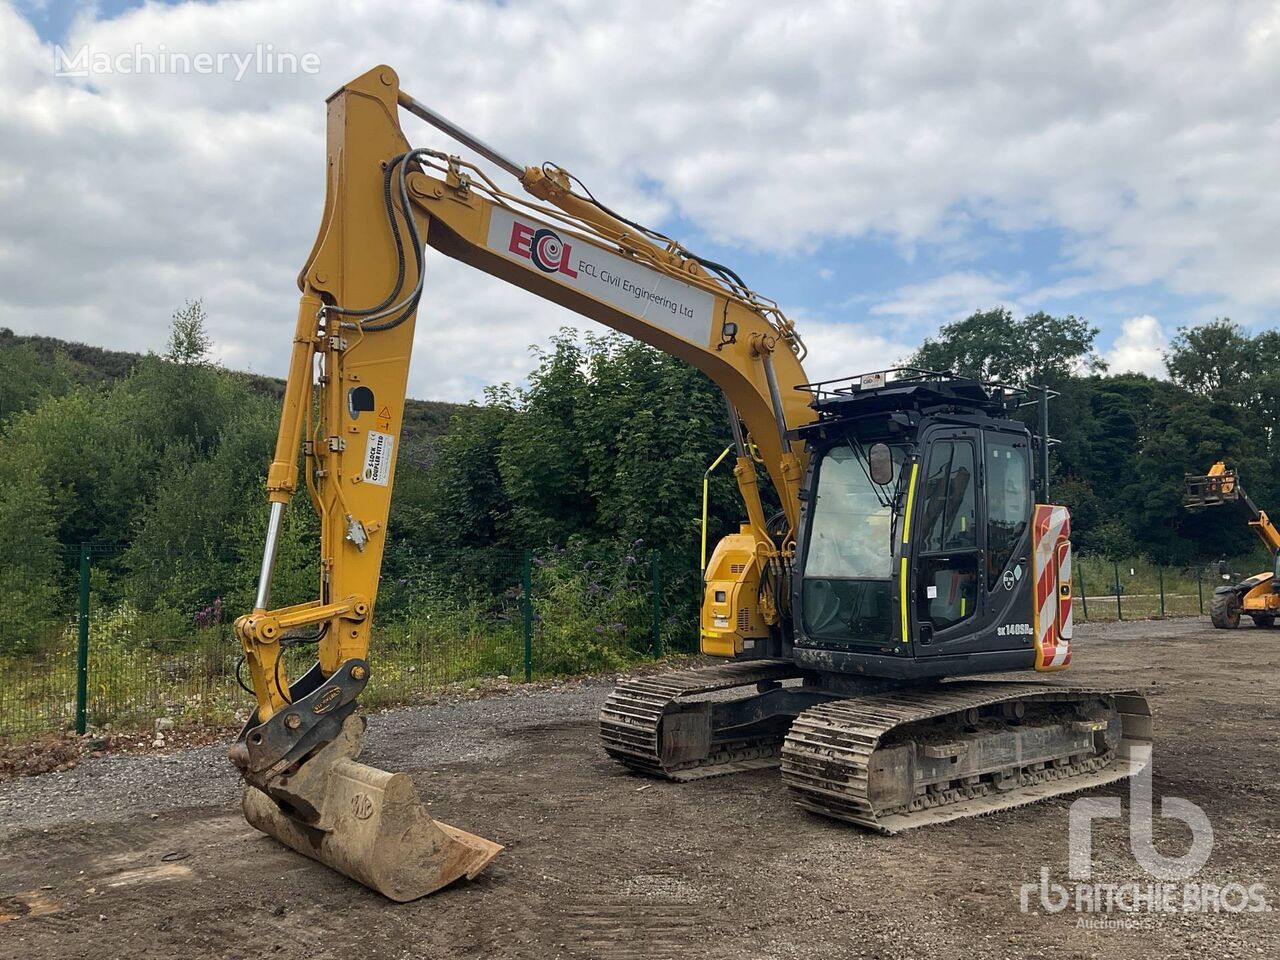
[(377, 458)]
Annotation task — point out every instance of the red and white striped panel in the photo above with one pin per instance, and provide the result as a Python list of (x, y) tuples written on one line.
[(1051, 568)]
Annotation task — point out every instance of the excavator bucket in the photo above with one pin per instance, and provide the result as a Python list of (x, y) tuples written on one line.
[(366, 823)]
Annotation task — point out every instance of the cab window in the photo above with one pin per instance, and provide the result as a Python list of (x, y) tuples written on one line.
[(852, 531), (1008, 501), (948, 521), (947, 579)]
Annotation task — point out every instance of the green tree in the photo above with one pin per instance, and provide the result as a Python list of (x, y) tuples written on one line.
[(993, 345), (200, 535), (1221, 361), (189, 342), (169, 461), (608, 443), (25, 378), (460, 502), (91, 457), (540, 457), (650, 425), (33, 575), (1211, 357)]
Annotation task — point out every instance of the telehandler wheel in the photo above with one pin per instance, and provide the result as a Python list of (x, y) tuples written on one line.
[(1263, 619), (1224, 610)]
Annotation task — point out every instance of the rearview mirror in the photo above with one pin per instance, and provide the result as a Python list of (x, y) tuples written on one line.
[(880, 462)]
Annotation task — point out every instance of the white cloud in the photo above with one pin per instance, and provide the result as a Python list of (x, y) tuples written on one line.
[(844, 349), (949, 297), (1139, 348), (1149, 140)]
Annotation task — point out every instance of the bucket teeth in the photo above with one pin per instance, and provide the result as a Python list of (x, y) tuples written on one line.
[(366, 823)]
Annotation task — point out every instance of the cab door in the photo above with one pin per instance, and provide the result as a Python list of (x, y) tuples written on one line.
[(948, 541), (971, 571), (1007, 568)]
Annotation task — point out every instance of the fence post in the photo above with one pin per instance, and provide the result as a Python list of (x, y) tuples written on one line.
[(1084, 592), (526, 604), (1119, 609), (1200, 588), (82, 648), (1160, 577), (655, 569)]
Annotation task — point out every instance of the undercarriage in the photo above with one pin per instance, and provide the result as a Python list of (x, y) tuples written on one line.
[(887, 756)]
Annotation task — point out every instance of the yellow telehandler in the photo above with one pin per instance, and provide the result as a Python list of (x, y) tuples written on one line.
[(1256, 596)]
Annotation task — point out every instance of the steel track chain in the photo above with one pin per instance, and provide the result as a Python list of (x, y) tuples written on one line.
[(631, 719), (827, 753)]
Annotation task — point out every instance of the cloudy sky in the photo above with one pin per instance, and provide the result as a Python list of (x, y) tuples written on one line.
[(877, 168)]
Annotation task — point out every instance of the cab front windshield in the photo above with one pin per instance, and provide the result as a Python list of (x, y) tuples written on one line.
[(852, 532), (847, 587)]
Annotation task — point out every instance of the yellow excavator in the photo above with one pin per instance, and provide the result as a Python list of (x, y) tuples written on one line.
[(1257, 596), (910, 549)]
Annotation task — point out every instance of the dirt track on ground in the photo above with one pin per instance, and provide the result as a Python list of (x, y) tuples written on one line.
[(148, 856)]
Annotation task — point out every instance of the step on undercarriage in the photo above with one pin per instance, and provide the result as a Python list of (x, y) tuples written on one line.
[(890, 760)]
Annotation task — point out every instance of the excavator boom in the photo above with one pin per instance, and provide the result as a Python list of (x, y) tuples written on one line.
[(343, 408)]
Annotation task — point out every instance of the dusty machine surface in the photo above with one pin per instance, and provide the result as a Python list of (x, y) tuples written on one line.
[(1257, 597), (908, 549)]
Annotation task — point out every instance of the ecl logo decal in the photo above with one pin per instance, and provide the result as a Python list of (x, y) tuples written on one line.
[(544, 247)]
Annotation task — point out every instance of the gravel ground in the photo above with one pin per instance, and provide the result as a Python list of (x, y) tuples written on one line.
[(147, 856), (123, 786)]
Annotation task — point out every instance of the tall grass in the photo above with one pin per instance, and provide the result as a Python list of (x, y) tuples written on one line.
[(459, 620)]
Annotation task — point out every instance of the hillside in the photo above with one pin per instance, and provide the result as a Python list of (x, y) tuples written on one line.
[(34, 366)]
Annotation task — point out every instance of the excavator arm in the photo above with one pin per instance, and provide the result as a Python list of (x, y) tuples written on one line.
[(360, 292)]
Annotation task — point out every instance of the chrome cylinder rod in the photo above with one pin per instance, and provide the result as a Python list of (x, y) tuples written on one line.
[(274, 522), (776, 397), (735, 428), (470, 141)]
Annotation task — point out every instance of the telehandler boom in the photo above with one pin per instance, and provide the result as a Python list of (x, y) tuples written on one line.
[(908, 548), (1258, 597)]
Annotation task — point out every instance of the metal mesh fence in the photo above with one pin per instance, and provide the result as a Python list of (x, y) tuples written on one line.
[(1139, 589), (156, 637), (97, 634), (39, 643)]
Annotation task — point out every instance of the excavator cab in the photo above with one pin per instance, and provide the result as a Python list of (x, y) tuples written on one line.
[(915, 553), (920, 549), (920, 554)]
